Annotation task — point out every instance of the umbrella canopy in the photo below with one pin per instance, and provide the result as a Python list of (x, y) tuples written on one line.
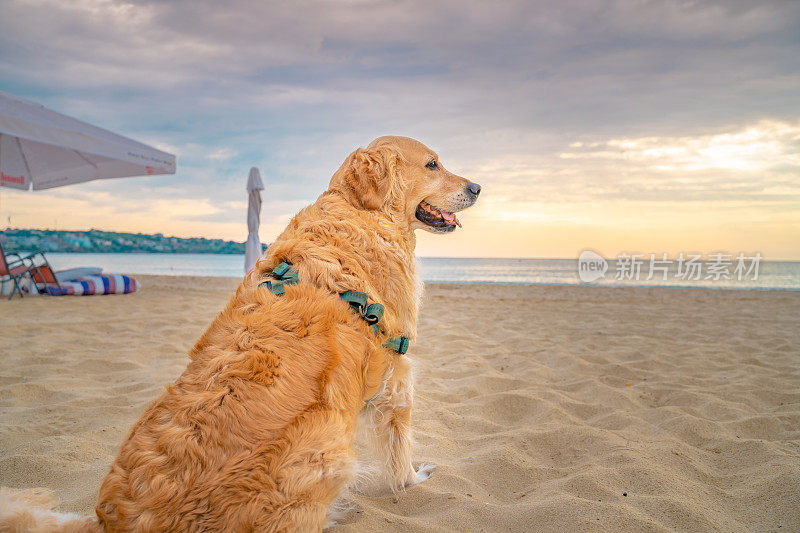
[(42, 149), (253, 246)]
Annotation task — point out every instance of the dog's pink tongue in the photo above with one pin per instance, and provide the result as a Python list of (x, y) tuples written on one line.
[(451, 218)]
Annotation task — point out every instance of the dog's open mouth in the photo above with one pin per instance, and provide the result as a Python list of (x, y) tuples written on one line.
[(436, 218)]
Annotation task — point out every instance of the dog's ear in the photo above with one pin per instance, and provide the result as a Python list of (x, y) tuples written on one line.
[(365, 177)]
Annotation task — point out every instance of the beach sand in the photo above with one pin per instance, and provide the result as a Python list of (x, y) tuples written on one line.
[(545, 408)]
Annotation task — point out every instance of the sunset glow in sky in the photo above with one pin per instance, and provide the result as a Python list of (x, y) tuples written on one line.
[(636, 126)]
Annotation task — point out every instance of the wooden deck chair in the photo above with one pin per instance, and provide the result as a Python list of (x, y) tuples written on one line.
[(14, 267)]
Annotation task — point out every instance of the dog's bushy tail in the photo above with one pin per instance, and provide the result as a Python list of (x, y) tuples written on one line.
[(31, 511)]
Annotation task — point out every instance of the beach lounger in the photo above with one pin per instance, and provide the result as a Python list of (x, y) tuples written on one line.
[(12, 269), (83, 281), (78, 272), (40, 270), (43, 275)]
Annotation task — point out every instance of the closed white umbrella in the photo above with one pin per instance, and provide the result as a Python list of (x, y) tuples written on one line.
[(42, 149), (253, 247)]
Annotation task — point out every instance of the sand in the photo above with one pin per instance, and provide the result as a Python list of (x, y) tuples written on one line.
[(545, 408)]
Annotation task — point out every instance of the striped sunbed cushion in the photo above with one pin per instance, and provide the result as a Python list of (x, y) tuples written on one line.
[(101, 284)]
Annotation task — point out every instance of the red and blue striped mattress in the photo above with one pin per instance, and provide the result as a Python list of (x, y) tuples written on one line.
[(99, 284)]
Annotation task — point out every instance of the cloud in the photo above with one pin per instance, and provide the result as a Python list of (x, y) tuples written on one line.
[(221, 154), (550, 105), (758, 163), (762, 146)]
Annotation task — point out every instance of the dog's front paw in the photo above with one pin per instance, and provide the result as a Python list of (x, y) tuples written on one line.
[(423, 472)]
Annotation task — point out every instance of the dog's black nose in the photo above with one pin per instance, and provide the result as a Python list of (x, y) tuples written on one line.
[(474, 188)]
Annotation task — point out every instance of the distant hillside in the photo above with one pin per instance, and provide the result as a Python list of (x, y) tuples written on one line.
[(19, 240)]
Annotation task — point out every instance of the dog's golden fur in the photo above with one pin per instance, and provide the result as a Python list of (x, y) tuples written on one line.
[(256, 433)]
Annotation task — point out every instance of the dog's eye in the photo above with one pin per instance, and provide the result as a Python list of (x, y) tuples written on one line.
[(433, 165)]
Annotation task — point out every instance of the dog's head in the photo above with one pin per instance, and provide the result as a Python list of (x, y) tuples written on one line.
[(405, 179)]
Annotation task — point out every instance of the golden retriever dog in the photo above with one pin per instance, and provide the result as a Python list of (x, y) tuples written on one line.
[(256, 434)]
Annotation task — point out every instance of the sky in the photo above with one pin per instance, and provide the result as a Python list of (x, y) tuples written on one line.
[(622, 126)]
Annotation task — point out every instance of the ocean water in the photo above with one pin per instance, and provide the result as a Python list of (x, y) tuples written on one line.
[(784, 275)]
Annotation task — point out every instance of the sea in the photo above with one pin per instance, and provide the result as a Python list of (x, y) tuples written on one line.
[(771, 275)]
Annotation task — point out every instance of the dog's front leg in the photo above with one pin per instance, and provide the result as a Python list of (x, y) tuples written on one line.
[(391, 417)]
